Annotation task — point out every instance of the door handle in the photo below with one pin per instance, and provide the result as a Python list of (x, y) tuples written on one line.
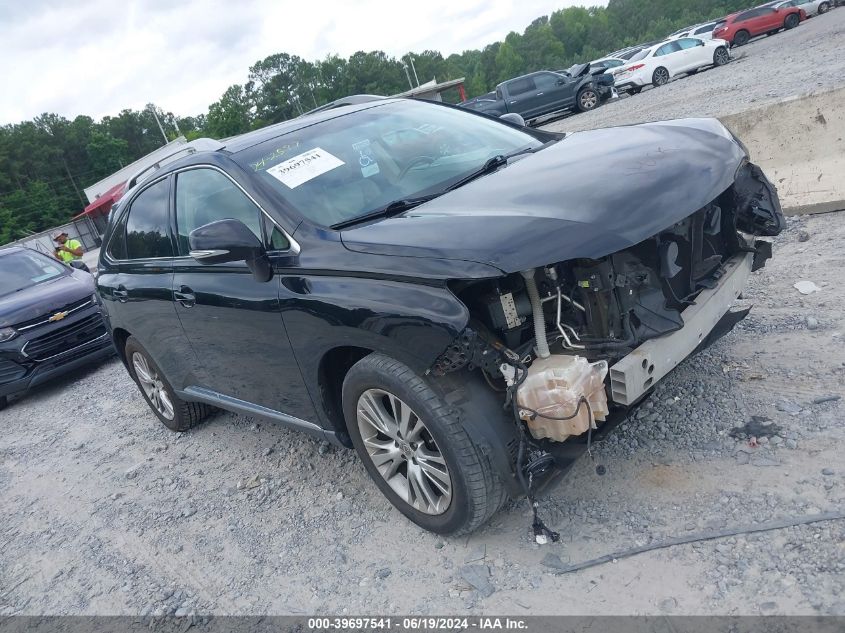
[(512, 102), (185, 296), (539, 94), (121, 294)]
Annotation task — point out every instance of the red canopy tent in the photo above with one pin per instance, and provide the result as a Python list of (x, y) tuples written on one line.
[(99, 210)]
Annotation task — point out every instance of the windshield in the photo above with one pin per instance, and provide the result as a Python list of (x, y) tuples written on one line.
[(22, 269), (355, 164)]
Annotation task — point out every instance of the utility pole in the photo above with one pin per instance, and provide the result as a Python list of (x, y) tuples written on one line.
[(411, 59), (155, 114), (73, 182)]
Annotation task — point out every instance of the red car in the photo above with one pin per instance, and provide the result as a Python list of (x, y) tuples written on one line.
[(740, 27)]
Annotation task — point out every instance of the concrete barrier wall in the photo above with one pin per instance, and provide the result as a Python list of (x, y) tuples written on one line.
[(800, 144)]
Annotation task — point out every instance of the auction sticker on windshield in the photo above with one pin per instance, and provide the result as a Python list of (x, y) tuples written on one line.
[(304, 167)]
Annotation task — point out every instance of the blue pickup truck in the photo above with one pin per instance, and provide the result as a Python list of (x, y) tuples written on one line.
[(545, 92)]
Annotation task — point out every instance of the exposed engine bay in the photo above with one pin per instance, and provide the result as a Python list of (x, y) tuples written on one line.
[(556, 332)]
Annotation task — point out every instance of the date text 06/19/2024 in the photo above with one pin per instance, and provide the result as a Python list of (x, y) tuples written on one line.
[(421, 623)]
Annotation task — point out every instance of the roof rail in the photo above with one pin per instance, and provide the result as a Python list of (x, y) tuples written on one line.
[(197, 145)]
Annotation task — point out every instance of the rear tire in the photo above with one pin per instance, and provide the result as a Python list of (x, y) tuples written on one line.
[(791, 21), (3, 402), (741, 38), (385, 390), (635, 90), (660, 77), (588, 99), (174, 413), (824, 7), (721, 56)]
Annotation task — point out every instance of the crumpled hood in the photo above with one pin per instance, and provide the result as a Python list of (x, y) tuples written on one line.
[(45, 298), (589, 195)]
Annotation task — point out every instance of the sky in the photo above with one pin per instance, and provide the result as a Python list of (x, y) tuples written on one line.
[(97, 57)]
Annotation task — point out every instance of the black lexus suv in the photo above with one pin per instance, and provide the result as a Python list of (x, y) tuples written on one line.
[(50, 320), (465, 301)]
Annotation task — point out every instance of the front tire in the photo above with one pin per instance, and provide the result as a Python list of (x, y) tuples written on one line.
[(791, 21), (721, 56), (588, 99), (660, 77), (416, 450), (174, 413)]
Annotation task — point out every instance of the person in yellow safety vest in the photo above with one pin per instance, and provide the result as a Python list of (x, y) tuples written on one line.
[(67, 250)]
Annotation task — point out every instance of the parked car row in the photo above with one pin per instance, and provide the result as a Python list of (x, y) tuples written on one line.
[(692, 48), (581, 88)]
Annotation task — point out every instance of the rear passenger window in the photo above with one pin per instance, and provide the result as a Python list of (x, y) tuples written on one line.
[(146, 228), (204, 196), (520, 86)]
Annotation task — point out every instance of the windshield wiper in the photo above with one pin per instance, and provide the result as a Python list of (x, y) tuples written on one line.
[(492, 165), (393, 208)]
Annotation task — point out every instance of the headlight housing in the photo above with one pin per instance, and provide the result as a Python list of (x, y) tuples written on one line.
[(7, 334)]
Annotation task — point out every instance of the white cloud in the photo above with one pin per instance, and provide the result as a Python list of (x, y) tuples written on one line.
[(100, 56)]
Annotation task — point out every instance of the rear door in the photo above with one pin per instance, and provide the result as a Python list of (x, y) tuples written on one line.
[(521, 96), (232, 321)]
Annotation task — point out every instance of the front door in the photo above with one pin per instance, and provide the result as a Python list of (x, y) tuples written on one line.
[(136, 277), (691, 54), (554, 92), (232, 320)]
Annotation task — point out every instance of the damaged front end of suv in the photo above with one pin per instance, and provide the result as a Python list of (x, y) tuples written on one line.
[(574, 340)]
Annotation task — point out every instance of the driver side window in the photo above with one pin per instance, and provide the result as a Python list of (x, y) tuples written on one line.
[(205, 195)]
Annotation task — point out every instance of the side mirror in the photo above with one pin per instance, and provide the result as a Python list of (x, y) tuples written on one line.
[(230, 241), (513, 117)]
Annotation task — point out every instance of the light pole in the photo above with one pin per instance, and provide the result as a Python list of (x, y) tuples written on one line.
[(411, 59), (161, 129), (410, 83)]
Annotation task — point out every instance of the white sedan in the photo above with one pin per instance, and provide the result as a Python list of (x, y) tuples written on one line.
[(699, 31), (658, 64), (811, 8)]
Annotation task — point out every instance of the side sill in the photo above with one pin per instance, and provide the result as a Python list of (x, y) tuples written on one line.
[(207, 396)]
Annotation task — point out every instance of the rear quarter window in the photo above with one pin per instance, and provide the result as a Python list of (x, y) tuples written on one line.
[(147, 233)]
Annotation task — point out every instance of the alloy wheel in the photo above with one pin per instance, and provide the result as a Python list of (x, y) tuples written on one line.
[(589, 99), (152, 386), (722, 57), (404, 452), (661, 77)]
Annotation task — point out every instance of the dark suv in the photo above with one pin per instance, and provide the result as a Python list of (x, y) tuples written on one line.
[(390, 275), (50, 320)]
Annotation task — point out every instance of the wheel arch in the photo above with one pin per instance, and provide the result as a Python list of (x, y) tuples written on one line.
[(120, 336), (331, 370)]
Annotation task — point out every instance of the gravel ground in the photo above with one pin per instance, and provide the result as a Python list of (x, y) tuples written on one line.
[(804, 60), (106, 512)]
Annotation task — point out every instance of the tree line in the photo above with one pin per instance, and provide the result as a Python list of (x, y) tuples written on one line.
[(45, 163)]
